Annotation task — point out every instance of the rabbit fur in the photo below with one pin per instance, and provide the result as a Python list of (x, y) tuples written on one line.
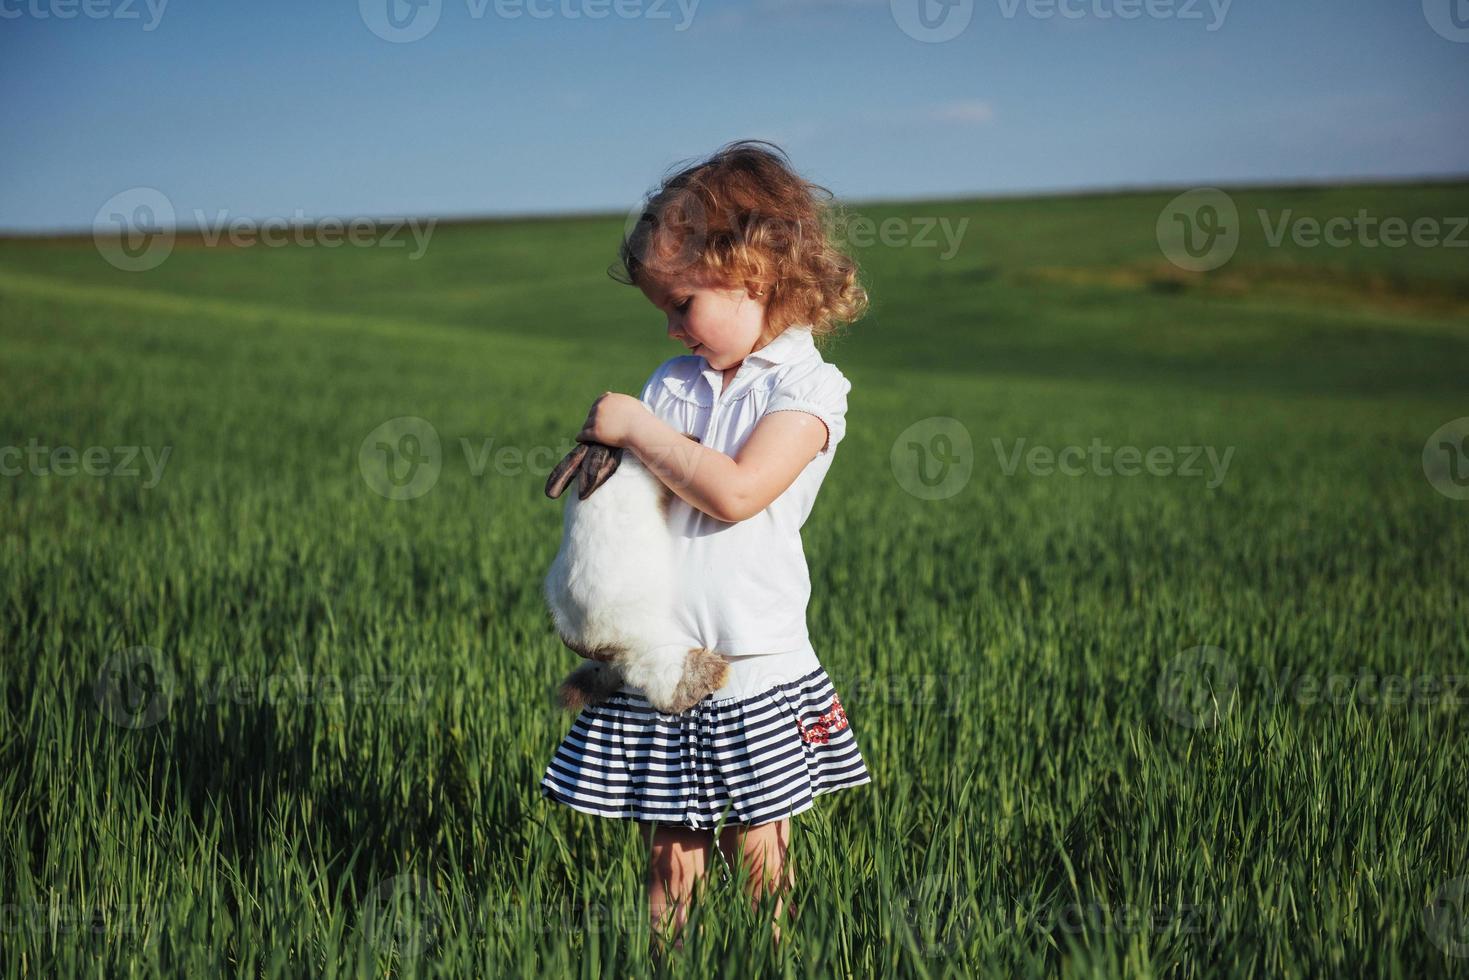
[(611, 586)]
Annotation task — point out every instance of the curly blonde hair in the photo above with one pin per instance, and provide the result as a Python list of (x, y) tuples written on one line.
[(744, 217)]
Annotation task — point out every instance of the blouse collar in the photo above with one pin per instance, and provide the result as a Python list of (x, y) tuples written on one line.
[(794, 344)]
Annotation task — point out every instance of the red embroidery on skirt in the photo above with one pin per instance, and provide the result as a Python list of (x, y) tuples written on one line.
[(820, 731)]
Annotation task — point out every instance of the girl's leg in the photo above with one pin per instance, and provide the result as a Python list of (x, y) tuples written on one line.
[(678, 859), (765, 850)]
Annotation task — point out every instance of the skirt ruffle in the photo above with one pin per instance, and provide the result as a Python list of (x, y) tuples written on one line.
[(745, 760)]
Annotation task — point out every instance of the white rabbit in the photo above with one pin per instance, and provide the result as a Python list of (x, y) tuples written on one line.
[(611, 587)]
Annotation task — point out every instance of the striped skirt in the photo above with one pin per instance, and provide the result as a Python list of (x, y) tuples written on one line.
[(759, 749)]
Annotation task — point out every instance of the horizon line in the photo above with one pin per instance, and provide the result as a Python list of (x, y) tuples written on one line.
[(586, 214)]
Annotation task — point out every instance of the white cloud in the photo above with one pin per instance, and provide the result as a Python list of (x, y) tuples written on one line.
[(974, 112)]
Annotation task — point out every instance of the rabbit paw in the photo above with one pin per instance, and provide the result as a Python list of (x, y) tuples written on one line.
[(591, 683), (704, 672)]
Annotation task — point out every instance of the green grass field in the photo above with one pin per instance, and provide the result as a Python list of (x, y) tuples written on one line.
[(1146, 725)]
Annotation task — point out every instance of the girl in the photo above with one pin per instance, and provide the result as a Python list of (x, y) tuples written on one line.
[(734, 252)]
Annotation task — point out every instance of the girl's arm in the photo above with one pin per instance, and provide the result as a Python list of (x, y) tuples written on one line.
[(728, 489)]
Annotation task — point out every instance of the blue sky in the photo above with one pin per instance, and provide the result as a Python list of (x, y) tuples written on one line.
[(278, 109)]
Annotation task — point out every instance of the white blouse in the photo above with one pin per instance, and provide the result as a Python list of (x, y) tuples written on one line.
[(744, 586)]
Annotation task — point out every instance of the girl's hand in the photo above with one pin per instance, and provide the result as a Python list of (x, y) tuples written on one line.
[(612, 419)]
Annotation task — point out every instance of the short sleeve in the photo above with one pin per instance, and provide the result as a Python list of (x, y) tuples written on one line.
[(653, 388), (822, 393)]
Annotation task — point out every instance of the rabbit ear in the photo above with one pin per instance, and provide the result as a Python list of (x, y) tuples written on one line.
[(601, 463), (562, 475)]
